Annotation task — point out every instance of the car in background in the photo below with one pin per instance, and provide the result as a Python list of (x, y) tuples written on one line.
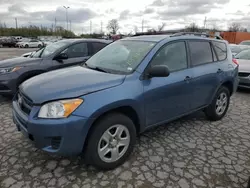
[(129, 86), (238, 48), (33, 43), (8, 42), (57, 55), (243, 59), (245, 42)]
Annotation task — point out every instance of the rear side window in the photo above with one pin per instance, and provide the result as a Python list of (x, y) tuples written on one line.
[(97, 46), (220, 49), (200, 52)]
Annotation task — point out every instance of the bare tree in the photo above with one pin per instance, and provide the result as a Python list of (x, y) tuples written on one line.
[(192, 28), (243, 29), (234, 27), (113, 26), (161, 27)]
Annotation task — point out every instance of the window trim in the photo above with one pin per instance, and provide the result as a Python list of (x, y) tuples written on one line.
[(216, 52), (163, 46), (199, 40)]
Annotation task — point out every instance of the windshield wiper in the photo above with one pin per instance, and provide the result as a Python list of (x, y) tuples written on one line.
[(95, 68)]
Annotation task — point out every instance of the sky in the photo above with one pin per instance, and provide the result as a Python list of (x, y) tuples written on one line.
[(93, 15)]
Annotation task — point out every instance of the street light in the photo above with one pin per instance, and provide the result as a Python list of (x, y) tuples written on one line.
[(66, 8)]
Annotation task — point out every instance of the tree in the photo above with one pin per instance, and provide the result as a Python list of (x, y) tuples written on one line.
[(192, 28), (161, 27), (113, 26), (234, 27)]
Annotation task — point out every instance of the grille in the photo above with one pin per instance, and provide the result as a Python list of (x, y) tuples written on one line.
[(24, 103), (244, 74)]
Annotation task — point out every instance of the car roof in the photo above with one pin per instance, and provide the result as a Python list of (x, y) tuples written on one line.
[(86, 40), (158, 38)]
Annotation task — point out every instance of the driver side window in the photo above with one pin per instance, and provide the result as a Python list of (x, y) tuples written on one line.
[(172, 55), (77, 50)]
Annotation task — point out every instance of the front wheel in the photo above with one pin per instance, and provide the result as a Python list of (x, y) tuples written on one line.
[(26, 46), (219, 106), (111, 141)]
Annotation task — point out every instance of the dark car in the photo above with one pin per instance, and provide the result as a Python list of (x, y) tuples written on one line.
[(131, 85), (57, 55), (8, 42)]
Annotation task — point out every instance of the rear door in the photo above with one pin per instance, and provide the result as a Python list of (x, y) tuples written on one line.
[(206, 72), (77, 54)]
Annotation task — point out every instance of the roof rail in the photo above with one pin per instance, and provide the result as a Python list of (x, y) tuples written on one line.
[(196, 34)]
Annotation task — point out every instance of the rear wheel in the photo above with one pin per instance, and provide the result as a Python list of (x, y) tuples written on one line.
[(219, 106), (111, 141), (39, 45), (26, 46)]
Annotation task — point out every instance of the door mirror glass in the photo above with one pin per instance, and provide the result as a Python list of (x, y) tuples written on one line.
[(62, 56), (158, 71)]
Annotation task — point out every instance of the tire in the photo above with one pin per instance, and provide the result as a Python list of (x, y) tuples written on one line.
[(112, 123), (39, 46), (212, 111), (26, 46)]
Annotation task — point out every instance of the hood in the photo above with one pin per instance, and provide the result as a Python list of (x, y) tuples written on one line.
[(244, 65), (18, 61), (68, 83)]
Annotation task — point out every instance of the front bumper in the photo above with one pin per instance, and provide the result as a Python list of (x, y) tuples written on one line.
[(8, 83), (244, 82), (61, 136)]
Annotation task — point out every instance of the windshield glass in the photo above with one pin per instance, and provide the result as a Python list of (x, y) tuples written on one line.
[(237, 49), (49, 49), (243, 55), (121, 56)]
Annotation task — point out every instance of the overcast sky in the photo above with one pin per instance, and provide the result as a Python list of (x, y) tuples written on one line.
[(130, 13)]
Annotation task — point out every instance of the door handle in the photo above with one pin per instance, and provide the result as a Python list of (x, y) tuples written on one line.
[(187, 78), (219, 71)]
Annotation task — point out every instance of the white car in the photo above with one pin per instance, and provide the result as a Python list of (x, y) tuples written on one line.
[(33, 43)]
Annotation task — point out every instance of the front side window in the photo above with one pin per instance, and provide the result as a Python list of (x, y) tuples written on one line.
[(173, 55), (245, 54), (200, 52), (77, 50), (121, 57)]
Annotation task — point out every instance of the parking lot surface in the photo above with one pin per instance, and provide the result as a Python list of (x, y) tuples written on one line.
[(188, 153), (14, 52)]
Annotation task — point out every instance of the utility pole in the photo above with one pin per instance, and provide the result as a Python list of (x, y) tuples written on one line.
[(66, 8), (101, 26), (55, 24), (205, 22), (90, 27), (142, 25), (16, 22), (69, 25)]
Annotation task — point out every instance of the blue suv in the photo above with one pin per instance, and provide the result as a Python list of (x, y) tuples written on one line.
[(129, 86)]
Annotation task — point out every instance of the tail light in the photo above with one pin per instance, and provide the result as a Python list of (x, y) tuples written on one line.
[(235, 61)]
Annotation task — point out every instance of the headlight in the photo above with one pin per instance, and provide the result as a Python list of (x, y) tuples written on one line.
[(8, 70), (59, 109)]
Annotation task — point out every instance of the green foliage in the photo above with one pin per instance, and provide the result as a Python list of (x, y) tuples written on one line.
[(34, 31), (94, 35)]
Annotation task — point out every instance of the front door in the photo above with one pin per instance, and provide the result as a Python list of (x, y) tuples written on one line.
[(168, 97), (77, 53)]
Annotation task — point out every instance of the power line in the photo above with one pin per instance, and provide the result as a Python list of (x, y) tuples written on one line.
[(101, 26), (66, 8), (90, 27), (142, 25)]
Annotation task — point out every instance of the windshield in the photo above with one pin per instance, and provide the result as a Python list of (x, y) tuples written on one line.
[(120, 56), (49, 49), (243, 55), (237, 49)]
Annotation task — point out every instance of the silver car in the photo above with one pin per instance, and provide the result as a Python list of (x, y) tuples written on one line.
[(238, 48), (244, 68)]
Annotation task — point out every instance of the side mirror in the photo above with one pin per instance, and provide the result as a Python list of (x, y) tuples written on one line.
[(158, 71), (62, 56)]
